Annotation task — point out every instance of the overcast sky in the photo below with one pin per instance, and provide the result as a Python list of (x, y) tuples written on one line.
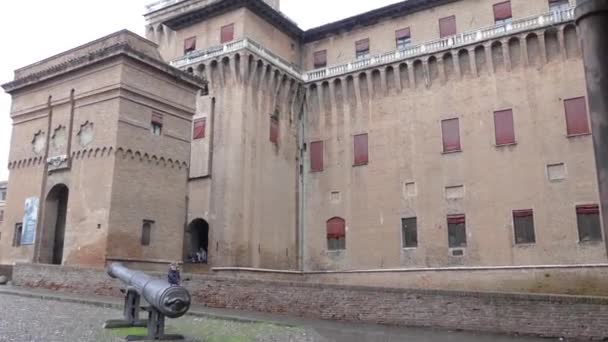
[(31, 30)]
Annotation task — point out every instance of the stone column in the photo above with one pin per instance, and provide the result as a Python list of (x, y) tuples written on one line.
[(592, 21)]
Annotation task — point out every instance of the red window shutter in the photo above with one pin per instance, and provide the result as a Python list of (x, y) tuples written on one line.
[(320, 59), (403, 33), (361, 149), (503, 125), (316, 156), (502, 11), (198, 131), (451, 135), (190, 44), (456, 219), (362, 45), (227, 33), (591, 209), (336, 228), (157, 118), (576, 116), (447, 26), (274, 130), (523, 213)]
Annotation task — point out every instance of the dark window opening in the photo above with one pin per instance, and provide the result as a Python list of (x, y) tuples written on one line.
[(403, 38), (336, 234), (227, 34), (361, 150), (409, 232), (457, 234), (274, 129), (504, 128), (523, 224), (447, 26), (450, 130), (320, 59), (18, 233), (189, 45), (146, 232), (576, 116), (198, 130), (157, 124), (362, 48), (502, 13), (2, 195), (316, 156), (588, 220), (1, 215)]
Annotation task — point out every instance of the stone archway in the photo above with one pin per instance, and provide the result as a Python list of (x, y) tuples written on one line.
[(55, 210), (197, 242)]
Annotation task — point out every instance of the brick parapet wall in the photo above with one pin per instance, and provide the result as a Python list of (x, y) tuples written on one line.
[(533, 314)]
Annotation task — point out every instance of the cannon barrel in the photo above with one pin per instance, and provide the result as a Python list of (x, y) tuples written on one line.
[(172, 301)]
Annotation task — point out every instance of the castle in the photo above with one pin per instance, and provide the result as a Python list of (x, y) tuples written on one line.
[(424, 134)]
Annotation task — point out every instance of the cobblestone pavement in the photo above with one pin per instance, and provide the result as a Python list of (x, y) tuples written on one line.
[(29, 320)]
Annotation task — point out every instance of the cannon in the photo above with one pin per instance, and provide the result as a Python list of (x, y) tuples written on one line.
[(165, 300)]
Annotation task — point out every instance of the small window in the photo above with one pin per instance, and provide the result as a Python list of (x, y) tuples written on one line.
[(559, 5), (362, 48), (576, 116), (336, 234), (198, 130), (18, 233), (502, 13), (447, 26), (361, 150), (450, 130), (523, 224), (503, 127), (403, 38), (316, 156), (320, 59), (146, 232), (227, 34), (189, 45), (157, 124), (1, 215), (2, 195), (588, 220), (457, 234), (409, 232), (274, 129)]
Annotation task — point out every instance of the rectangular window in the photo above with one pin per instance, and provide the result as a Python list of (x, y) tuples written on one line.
[(17, 236), (559, 5), (447, 26), (361, 150), (157, 124), (1, 215), (450, 130), (274, 130), (409, 232), (403, 38), (576, 116), (502, 13), (336, 234), (2, 195), (227, 34), (362, 48), (189, 45), (146, 232), (316, 156), (320, 59), (588, 220), (457, 234), (198, 129), (503, 127), (523, 224)]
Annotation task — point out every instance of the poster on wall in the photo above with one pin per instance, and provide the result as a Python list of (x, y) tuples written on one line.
[(30, 218)]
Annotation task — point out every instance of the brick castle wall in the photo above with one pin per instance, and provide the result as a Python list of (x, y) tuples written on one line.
[(563, 316)]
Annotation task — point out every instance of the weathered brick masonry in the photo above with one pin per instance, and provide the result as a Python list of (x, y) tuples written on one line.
[(567, 316)]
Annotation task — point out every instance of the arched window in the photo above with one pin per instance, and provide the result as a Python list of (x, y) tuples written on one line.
[(336, 234)]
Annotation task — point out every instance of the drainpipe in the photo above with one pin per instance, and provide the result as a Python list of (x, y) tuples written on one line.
[(592, 22), (302, 135)]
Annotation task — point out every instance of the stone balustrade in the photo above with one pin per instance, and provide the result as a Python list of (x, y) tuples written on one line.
[(448, 43)]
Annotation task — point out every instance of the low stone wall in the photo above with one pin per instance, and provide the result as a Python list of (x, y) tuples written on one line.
[(7, 271), (552, 316)]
